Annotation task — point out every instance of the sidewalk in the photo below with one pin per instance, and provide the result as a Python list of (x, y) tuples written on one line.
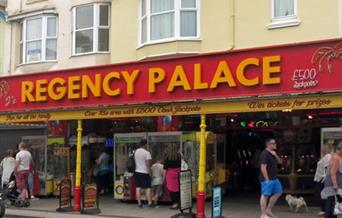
[(113, 208)]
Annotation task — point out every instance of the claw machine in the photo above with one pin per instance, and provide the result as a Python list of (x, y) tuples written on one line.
[(157, 145), (124, 146), (189, 143), (330, 137), (159, 141), (59, 161), (37, 145), (191, 149)]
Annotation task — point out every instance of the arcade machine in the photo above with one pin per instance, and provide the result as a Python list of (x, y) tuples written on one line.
[(59, 164), (157, 144), (330, 137), (124, 146), (43, 180), (215, 172), (91, 145)]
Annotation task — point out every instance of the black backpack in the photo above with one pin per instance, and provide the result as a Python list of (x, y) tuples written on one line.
[(131, 163)]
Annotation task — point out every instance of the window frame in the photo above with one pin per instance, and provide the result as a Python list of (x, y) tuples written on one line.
[(283, 21), (96, 27), (43, 38), (177, 23)]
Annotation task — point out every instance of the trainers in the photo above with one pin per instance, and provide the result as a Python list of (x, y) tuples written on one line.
[(270, 215), (321, 214)]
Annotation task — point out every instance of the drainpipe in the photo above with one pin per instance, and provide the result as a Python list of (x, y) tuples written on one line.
[(233, 25)]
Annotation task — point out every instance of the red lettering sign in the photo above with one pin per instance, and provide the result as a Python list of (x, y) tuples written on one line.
[(288, 69)]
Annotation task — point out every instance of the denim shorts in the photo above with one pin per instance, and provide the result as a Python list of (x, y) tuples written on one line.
[(271, 187)]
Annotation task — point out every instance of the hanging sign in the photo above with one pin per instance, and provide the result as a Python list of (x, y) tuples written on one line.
[(176, 109), (65, 203), (90, 200)]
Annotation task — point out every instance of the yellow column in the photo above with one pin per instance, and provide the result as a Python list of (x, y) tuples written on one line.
[(201, 176), (77, 191)]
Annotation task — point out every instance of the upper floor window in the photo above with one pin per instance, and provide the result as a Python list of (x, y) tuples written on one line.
[(38, 39), (91, 28), (162, 20), (284, 13), (283, 8)]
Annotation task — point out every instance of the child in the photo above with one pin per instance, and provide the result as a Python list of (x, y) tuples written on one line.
[(157, 180)]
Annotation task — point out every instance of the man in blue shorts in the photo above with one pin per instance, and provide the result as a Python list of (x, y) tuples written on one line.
[(271, 188)]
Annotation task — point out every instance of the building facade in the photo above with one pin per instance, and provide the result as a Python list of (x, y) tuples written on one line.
[(146, 29), (2, 35), (50, 34), (252, 69)]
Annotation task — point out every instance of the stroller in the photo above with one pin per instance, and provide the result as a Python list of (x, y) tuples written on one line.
[(10, 194)]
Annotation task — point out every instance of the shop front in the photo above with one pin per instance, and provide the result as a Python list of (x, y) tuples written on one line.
[(290, 92)]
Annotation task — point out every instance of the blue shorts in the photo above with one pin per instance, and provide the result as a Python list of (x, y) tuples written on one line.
[(270, 188)]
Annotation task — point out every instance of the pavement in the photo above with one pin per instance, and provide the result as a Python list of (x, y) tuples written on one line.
[(242, 207)]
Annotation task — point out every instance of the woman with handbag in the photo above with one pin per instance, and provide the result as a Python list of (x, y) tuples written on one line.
[(320, 175), (172, 166), (332, 190)]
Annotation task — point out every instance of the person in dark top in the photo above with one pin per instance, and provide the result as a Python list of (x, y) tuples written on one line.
[(172, 165), (271, 188)]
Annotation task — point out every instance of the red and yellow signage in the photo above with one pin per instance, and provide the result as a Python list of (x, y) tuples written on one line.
[(308, 68), (285, 104)]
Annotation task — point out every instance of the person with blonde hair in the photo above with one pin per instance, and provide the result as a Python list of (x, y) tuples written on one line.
[(320, 174), (7, 165), (172, 165), (333, 182)]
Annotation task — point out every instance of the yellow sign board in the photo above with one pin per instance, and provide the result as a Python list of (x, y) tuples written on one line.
[(245, 105)]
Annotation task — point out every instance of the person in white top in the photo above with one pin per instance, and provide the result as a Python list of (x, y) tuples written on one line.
[(321, 172), (23, 161), (157, 180), (7, 165), (142, 173)]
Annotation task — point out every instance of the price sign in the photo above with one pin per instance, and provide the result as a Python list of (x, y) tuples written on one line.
[(61, 151), (65, 196), (90, 201), (185, 189), (217, 202)]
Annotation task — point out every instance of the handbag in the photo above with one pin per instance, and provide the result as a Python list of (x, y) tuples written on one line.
[(338, 207), (184, 165), (131, 163)]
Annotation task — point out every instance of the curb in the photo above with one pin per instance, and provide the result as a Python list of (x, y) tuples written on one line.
[(32, 213)]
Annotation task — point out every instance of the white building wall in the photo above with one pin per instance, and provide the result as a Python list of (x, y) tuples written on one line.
[(63, 9)]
